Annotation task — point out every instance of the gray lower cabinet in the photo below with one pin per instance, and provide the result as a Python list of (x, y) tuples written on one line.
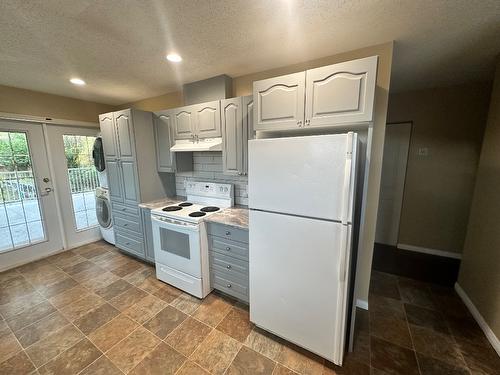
[(228, 251), (128, 139), (147, 229)]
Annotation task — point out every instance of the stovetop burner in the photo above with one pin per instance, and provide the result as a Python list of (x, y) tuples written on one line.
[(210, 209), (171, 208), (185, 204), (197, 214)]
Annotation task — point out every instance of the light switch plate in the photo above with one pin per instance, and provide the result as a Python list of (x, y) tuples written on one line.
[(423, 151)]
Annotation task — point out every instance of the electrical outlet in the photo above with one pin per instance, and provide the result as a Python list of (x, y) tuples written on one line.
[(423, 151)]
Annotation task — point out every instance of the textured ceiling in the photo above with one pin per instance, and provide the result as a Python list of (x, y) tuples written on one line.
[(118, 46)]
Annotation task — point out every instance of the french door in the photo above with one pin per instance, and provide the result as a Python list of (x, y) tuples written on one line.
[(29, 221), (70, 150)]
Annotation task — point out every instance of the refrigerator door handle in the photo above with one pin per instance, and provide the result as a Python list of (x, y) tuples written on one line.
[(347, 183), (343, 252)]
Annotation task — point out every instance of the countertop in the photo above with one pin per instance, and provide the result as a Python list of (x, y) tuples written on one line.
[(236, 216), (162, 202)]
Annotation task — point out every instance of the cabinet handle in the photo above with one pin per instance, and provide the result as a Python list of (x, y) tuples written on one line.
[(228, 248), (308, 122), (228, 266), (228, 233), (228, 285), (299, 123), (125, 224)]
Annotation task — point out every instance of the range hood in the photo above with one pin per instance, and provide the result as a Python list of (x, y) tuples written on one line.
[(204, 144)]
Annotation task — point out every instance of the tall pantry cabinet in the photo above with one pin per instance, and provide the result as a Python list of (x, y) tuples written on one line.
[(127, 137)]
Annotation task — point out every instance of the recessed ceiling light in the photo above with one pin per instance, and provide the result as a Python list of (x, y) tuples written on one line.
[(174, 57), (77, 81)]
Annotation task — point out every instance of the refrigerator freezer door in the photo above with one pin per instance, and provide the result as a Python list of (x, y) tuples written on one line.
[(297, 289), (303, 176)]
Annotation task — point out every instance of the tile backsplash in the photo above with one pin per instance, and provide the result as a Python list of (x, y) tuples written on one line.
[(207, 166)]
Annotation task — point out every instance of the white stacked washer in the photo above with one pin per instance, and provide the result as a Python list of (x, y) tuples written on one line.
[(102, 201), (180, 236)]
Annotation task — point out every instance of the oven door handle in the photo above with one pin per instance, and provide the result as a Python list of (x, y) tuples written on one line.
[(169, 224)]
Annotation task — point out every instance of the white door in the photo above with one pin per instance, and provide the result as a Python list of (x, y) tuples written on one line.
[(29, 223), (282, 171), (298, 288), (76, 178), (397, 143)]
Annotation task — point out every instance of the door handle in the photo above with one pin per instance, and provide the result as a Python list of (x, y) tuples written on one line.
[(48, 190)]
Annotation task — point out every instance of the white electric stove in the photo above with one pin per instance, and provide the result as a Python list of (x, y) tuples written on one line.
[(180, 238)]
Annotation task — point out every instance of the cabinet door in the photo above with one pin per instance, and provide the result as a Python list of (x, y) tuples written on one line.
[(183, 121), (114, 180), (232, 136), (165, 160), (279, 102), (248, 132), (108, 135), (341, 93), (129, 182), (208, 120), (125, 132)]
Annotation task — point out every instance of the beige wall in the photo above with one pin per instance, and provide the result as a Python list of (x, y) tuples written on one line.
[(480, 269), (34, 103), (450, 123), (157, 103), (243, 86)]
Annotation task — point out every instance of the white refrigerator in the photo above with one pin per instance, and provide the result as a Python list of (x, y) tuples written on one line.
[(301, 198)]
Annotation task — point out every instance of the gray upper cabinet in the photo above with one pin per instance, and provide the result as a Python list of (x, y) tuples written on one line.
[(165, 160), (247, 127), (125, 133), (108, 135), (341, 93), (232, 136), (237, 119), (279, 102), (332, 95), (184, 122), (208, 120)]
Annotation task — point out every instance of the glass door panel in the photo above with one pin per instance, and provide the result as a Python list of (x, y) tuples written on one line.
[(82, 179), (21, 221)]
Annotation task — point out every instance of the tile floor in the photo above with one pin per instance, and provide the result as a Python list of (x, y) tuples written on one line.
[(93, 310)]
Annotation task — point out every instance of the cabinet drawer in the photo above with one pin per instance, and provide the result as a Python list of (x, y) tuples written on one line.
[(230, 266), (128, 222), (229, 248), (129, 243), (230, 287), (126, 209), (228, 232)]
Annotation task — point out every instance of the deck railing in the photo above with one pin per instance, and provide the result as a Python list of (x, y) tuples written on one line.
[(20, 185)]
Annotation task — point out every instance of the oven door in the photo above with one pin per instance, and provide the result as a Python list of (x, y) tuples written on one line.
[(177, 245)]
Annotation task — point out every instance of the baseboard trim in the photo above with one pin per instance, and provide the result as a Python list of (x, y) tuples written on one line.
[(490, 335), (362, 304), (426, 250)]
